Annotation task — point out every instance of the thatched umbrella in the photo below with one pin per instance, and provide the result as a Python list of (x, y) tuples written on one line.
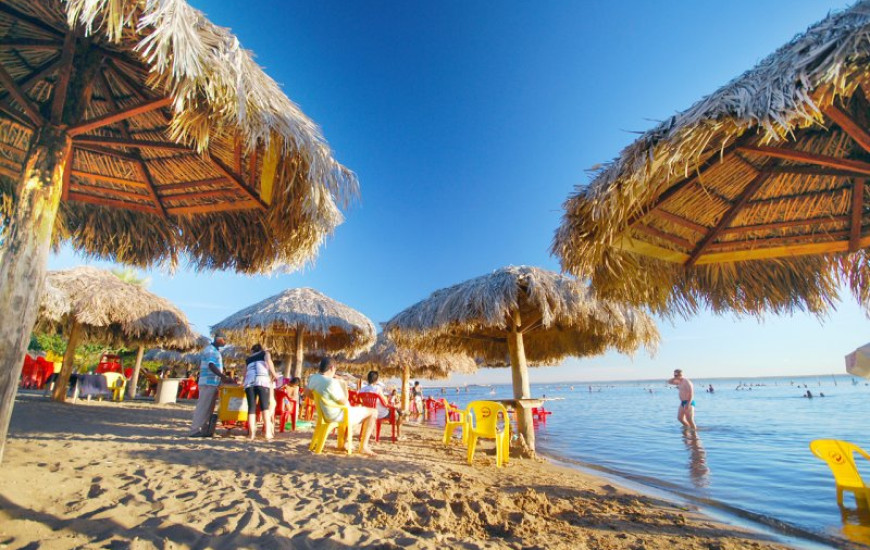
[(526, 313), (90, 304), (297, 318), (391, 360), (754, 199), (142, 133)]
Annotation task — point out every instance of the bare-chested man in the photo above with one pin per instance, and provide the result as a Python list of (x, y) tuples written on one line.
[(686, 412)]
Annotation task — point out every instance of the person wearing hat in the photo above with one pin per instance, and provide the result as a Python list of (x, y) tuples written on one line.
[(211, 374)]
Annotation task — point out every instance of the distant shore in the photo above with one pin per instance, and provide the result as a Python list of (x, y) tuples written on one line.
[(103, 474)]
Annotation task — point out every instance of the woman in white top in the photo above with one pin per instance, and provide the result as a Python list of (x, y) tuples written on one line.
[(259, 375)]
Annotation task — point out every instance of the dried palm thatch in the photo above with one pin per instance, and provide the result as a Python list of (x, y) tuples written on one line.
[(92, 305), (393, 361), (524, 312), (752, 200), (296, 319), (140, 132)]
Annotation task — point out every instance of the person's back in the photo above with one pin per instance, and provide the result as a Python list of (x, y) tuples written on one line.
[(330, 389)]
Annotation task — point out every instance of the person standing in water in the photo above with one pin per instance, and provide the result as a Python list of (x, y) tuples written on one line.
[(686, 412)]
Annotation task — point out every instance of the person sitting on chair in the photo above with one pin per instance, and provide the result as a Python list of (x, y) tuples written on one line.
[(374, 386), (325, 383)]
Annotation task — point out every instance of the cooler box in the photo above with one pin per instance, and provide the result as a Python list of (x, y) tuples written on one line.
[(233, 406)]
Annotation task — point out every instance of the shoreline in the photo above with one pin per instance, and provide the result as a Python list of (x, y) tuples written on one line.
[(104, 474)]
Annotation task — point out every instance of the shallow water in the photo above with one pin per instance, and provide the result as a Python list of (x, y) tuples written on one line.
[(750, 455)]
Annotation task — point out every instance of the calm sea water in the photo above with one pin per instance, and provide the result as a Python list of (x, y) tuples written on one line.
[(750, 456)]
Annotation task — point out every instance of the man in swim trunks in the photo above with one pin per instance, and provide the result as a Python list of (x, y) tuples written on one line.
[(686, 412)]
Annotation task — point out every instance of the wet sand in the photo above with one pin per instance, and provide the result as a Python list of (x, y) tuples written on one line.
[(109, 475)]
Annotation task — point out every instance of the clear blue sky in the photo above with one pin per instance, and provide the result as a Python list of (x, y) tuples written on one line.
[(469, 122)]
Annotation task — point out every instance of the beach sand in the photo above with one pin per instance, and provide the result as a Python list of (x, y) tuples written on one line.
[(109, 475)]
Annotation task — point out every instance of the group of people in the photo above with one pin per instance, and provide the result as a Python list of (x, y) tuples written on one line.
[(259, 379)]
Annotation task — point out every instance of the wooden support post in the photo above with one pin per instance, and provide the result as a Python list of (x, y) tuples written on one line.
[(857, 215), (25, 254), (406, 378), (134, 379), (61, 385), (299, 356), (520, 376)]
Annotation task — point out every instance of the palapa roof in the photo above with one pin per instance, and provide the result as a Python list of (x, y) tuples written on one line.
[(185, 149), (390, 360), (110, 310), (329, 325), (752, 199), (560, 317)]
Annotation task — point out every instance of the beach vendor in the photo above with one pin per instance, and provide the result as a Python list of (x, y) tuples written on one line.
[(211, 374), (686, 412), (259, 375), (325, 383)]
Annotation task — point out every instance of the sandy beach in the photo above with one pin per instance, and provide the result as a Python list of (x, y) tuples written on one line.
[(109, 475)]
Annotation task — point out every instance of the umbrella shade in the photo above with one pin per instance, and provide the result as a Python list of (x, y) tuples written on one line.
[(752, 200), (299, 319), (858, 362), (142, 133), (89, 304), (527, 313), (391, 360)]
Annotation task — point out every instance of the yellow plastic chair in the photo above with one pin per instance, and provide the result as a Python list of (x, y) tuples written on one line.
[(116, 382), (839, 457), (323, 426), (451, 425), (481, 420)]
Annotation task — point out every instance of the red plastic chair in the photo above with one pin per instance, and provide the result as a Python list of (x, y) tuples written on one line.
[(27, 371), (285, 409), (371, 400), (353, 398), (540, 413)]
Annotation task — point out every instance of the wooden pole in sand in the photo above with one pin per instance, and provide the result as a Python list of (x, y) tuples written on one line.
[(520, 376), (299, 356), (61, 385), (134, 379), (406, 376)]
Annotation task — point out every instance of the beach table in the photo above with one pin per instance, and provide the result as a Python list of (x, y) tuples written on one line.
[(520, 404), (167, 390)]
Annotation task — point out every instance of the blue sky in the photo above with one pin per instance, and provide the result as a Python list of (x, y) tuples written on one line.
[(468, 123)]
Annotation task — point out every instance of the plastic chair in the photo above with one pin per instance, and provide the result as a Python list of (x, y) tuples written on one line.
[(323, 426), (371, 400), (285, 412), (353, 398), (453, 418), (481, 420), (116, 382), (839, 456)]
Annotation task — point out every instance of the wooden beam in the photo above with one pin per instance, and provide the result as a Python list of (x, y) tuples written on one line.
[(61, 85), (210, 208), (118, 116), (96, 149), (849, 125), (231, 193), (109, 179), (225, 170), (100, 191), (783, 225), (740, 201), (137, 143), (188, 185), (20, 97), (30, 20), (141, 167), (857, 214), (812, 171), (237, 156), (30, 44), (679, 220), (643, 248), (673, 239), (10, 149), (671, 191), (15, 115), (112, 203), (10, 172), (751, 244), (779, 252), (810, 158), (67, 174)]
